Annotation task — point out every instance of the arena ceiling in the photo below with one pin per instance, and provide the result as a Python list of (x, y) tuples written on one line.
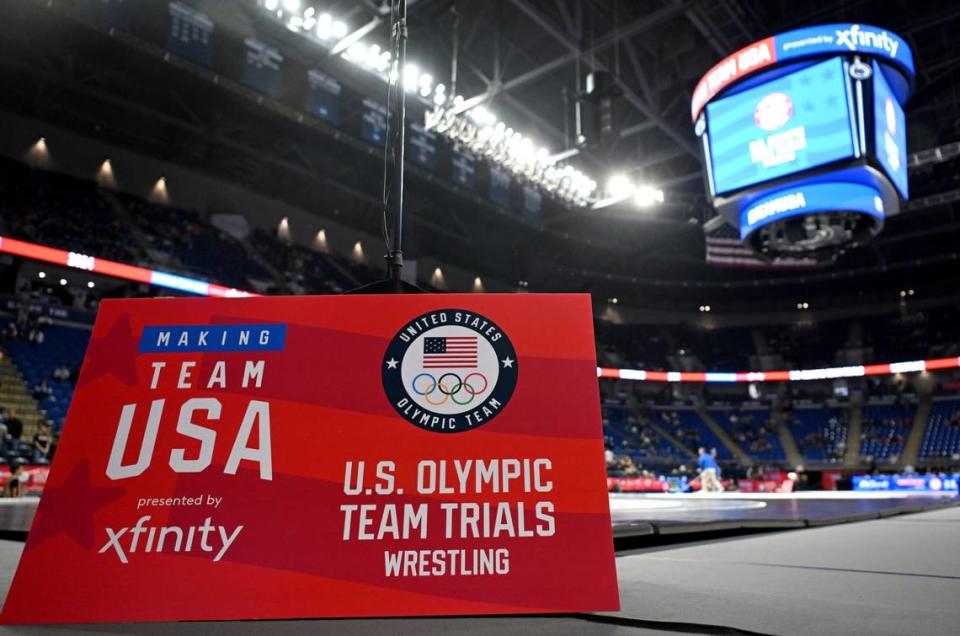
[(523, 59)]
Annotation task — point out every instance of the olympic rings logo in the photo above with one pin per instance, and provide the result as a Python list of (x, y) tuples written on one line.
[(451, 386)]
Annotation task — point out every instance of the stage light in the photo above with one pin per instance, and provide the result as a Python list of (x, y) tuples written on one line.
[(339, 29), (358, 252), (105, 175), (63, 281), (356, 53), (39, 154), (478, 285), (410, 75), (90, 284), (41, 275), (619, 186), (308, 12), (271, 5), (646, 196), (295, 23), (324, 26), (159, 192), (283, 229), (910, 292), (291, 5), (437, 280), (320, 241), (614, 301)]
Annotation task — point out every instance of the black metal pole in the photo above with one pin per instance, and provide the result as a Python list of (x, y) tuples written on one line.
[(395, 255)]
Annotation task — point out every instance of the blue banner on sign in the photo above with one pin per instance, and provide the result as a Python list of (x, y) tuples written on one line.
[(781, 127), (190, 33), (373, 128), (500, 187), (804, 198), (200, 338), (890, 130), (423, 146), (323, 96), (844, 38), (463, 169), (261, 69), (922, 483), (531, 205)]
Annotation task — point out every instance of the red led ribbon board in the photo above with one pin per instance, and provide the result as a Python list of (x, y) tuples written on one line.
[(326, 456)]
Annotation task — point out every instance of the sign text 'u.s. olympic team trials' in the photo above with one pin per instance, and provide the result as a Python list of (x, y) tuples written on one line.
[(323, 457)]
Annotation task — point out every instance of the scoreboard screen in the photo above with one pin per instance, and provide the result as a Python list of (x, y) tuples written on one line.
[(789, 124), (890, 128)]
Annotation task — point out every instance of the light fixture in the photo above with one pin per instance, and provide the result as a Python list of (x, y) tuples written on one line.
[(90, 284), (476, 131), (41, 275), (619, 186), (63, 281), (646, 196)]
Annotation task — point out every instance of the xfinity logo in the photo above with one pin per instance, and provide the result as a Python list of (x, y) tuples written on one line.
[(855, 37)]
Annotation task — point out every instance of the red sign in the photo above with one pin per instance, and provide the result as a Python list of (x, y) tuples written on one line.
[(637, 484), (734, 67), (32, 478), (326, 456)]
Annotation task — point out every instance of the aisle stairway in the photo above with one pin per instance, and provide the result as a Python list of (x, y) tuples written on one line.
[(15, 394), (911, 449), (854, 431)]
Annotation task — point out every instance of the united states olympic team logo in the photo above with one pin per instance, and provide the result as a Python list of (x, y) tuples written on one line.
[(773, 111), (450, 371)]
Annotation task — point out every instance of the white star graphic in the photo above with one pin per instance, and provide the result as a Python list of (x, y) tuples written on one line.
[(391, 363), (507, 362)]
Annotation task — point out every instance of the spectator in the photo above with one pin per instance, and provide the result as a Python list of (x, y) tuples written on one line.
[(61, 373), (14, 425), (41, 444), (15, 481), (42, 391)]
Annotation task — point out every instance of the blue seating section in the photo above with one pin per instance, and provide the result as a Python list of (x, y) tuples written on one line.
[(687, 426), (885, 430), (751, 430), (821, 434), (643, 444), (61, 346), (942, 437)]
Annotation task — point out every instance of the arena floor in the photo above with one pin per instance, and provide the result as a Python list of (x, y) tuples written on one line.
[(896, 574)]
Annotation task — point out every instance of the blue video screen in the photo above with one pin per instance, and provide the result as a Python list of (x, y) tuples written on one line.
[(794, 122), (890, 128)]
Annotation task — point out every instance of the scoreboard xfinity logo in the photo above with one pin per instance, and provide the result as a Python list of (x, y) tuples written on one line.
[(856, 37), (449, 371)]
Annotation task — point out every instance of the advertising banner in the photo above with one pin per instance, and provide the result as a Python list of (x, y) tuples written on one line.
[(357, 456)]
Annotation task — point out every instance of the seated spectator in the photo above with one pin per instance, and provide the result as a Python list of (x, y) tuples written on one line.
[(42, 391), (61, 373), (14, 424), (41, 444)]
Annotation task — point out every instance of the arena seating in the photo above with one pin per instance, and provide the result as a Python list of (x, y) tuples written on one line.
[(942, 437), (61, 211), (689, 428), (820, 433), (62, 346), (751, 429), (885, 430)]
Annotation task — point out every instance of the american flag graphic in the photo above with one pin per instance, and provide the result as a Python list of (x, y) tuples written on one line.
[(725, 249), (450, 352)]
